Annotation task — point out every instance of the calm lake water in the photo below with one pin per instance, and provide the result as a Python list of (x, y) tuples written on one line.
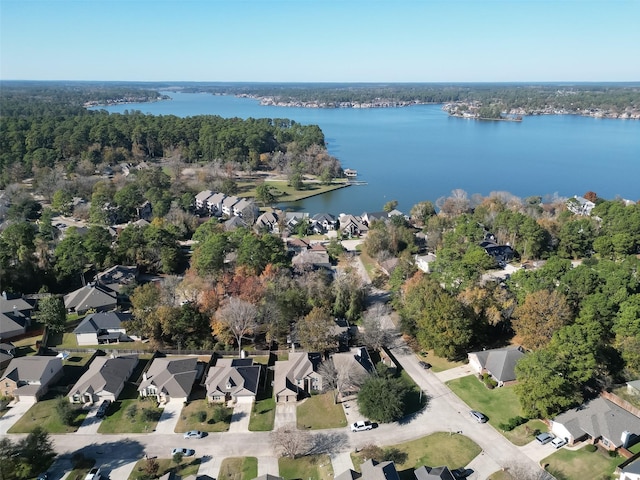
[(419, 153)]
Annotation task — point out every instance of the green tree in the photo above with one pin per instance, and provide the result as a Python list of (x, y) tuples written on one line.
[(36, 451), (65, 411), (51, 312), (62, 201), (421, 212), (315, 331), (264, 195), (390, 205), (209, 255), (382, 399)]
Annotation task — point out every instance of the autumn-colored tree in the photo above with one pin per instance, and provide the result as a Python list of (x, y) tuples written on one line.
[(541, 314), (315, 331), (591, 196), (238, 318)]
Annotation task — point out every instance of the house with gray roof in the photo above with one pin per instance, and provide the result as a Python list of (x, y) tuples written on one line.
[(268, 477), (268, 221), (433, 473), (500, 363), (118, 277), (90, 297), (7, 352), (358, 364), (233, 380), (169, 379), (308, 260), (630, 470), (372, 470), (214, 203), (15, 305), (104, 379), (103, 327), (323, 222), (599, 420), (227, 205), (12, 325), (296, 376), (246, 208), (233, 223), (201, 199), (352, 226), (29, 378)]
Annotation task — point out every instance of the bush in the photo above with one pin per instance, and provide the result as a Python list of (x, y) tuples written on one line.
[(150, 414), (219, 413), (65, 411), (132, 411), (201, 416), (513, 423), (591, 448)]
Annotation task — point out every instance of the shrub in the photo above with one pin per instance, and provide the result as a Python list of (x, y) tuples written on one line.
[(65, 411), (513, 423), (219, 413), (201, 416), (150, 414), (132, 411), (591, 448)]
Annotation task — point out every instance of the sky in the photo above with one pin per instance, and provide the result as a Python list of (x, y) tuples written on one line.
[(321, 40)]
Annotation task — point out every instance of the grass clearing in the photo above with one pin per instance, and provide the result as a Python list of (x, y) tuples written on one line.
[(311, 467), (499, 404), (319, 412), (440, 448), (438, 364), (238, 468), (204, 416), (523, 434), (568, 464), (188, 466), (286, 193), (43, 414)]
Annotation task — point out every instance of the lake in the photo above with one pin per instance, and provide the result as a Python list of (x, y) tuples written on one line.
[(418, 153)]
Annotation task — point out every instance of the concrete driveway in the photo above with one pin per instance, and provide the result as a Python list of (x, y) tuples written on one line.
[(209, 466), (285, 415), (341, 462), (16, 410), (91, 422), (240, 417), (453, 373), (170, 416), (268, 466)]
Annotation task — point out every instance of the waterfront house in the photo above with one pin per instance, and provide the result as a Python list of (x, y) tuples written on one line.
[(268, 222), (323, 223)]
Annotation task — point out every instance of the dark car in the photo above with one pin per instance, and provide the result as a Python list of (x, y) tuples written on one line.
[(102, 409), (424, 365), (461, 473)]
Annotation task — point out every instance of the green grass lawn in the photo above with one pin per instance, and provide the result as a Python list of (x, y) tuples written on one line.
[(624, 394), (238, 468), (438, 364), (436, 449), (286, 193), (118, 419), (188, 466), (311, 467), (580, 464), (499, 405), (263, 413), (320, 411), (189, 419), (68, 340), (43, 414)]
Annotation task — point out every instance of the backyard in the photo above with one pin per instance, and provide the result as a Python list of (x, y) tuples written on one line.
[(320, 411), (311, 467), (436, 449), (238, 468), (499, 405), (204, 416), (579, 464)]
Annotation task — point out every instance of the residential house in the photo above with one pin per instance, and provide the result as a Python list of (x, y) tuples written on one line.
[(246, 208), (348, 172), (343, 332), (580, 205), (308, 260), (502, 254), (227, 205), (295, 245), (630, 470), (169, 379), (293, 220), (433, 473), (599, 420), (90, 297), (233, 380), (633, 387), (12, 325), (104, 379), (268, 221), (103, 327), (214, 204), (500, 363), (201, 199), (323, 223), (7, 352), (297, 376), (359, 365), (369, 217), (29, 378), (233, 223), (15, 305), (118, 278), (423, 262), (352, 226), (144, 211), (372, 470), (348, 475)]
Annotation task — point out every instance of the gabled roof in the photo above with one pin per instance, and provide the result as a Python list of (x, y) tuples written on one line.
[(372, 470), (237, 379), (267, 219), (31, 368), (314, 258), (233, 223), (203, 196), (433, 473), (102, 321), (599, 418), (10, 322), (105, 374), (299, 365), (357, 358), (118, 276), (230, 201), (216, 199), (500, 362), (90, 296), (173, 377), (13, 305), (323, 217)]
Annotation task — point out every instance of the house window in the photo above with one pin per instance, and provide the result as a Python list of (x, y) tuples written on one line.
[(605, 442), (228, 385)]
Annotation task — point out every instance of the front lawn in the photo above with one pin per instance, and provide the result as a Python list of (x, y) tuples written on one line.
[(320, 411), (188, 466), (440, 448), (130, 413), (263, 414), (499, 405), (238, 468), (43, 414), (204, 416), (568, 464), (311, 467)]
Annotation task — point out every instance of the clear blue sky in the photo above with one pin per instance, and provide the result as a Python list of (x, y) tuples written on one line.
[(320, 40)]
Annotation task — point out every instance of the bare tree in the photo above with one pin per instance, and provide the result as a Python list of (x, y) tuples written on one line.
[(519, 471), (239, 317), (372, 334), (290, 441), (340, 377)]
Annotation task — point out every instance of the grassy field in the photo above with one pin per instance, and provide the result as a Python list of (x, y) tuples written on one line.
[(120, 418), (436, 449), (286, 193), (320, 411), (238, 468), (188, 466), (438, 364), (189, 417), (580, 464), (311, 467), (43, 414), (499, 405)]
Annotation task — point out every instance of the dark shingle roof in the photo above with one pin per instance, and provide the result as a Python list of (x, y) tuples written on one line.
[(102, 321)]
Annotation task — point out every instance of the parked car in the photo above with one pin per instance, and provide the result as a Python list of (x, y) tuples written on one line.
[(43, 476), (559, 442), (424, 365), (544, 438), (194, 434), (479, 417), (361, 426), (186, 452), (94, 474), (102, 409), (461, 473)]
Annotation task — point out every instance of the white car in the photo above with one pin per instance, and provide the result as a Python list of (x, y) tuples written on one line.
[(559, 442), (361, 426), (194, 434), (185, 452), (94, 474)]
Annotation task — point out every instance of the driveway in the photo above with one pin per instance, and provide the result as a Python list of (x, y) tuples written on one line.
[(209, 466), (119, 472), (91, 422), (268, 466), (341, 462), (170, 416), (240, 417), (285, 415), (16, 410), (456, 372)]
